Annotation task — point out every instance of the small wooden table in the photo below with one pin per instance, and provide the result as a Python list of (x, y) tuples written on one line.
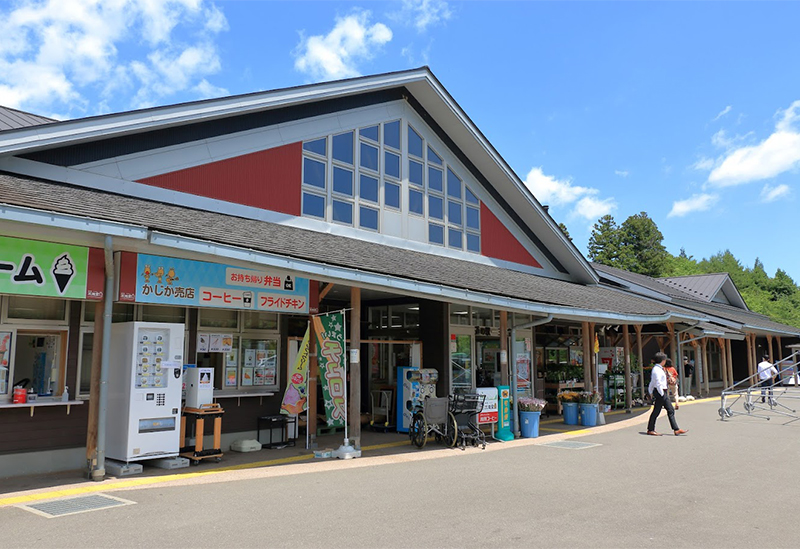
[(196, 453)]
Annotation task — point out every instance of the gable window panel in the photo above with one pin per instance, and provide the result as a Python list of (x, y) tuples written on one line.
[(435, 179), (453, 184), (342, 181), (454, 238), (343, 212), (470, 197), (368, 218), (343, 148), (454, 212), (369, 133), (435, 207), (415, 173), (318, 146), (369, 157), (314, 205), (391, 165), (473, 218), (435, 234), (434, 158), (416, 202), (474, 243), (368, 188), (391, 134), (391, 195), (414, 143), (313, 173)]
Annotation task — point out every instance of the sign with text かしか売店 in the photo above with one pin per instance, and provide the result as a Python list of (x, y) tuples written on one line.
[(173, 281), (48, 269)]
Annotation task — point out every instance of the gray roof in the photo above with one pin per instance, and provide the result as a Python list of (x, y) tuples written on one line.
[(320, 247), (644, 281), (11, 119), (703, 287)]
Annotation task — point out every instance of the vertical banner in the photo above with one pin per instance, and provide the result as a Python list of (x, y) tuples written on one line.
[(329, 330), (295, 399)]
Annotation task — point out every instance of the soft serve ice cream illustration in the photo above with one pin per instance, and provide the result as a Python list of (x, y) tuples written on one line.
[(63, 271)]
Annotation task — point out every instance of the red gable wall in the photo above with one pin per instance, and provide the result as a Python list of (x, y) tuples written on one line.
[(498, 242), (268, 179)]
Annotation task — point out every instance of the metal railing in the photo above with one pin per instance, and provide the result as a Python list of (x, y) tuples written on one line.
[(762, 400)]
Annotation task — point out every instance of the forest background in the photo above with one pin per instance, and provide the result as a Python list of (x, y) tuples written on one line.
[(637, 246)]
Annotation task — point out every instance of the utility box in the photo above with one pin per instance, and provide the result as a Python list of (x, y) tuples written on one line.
[(199, 387)]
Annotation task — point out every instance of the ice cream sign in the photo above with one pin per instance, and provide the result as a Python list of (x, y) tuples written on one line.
[(166, 280), (31, 267)]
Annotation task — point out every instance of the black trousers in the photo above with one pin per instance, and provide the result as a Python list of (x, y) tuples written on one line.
[(662, 401)]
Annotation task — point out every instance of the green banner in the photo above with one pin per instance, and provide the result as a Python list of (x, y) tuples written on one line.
[(329, 330), (31, 267)]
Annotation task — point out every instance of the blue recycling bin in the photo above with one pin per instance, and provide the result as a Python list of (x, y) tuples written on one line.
[(589, 415), (529, 424), (570, 412)]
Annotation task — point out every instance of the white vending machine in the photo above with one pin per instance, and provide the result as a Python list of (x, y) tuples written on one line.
[(144, 391)]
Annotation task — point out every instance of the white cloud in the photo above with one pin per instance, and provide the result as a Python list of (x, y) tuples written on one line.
[(422, 14), (771, 194), (722, 113), (622, 173), (704, 164), (336, 54), (554, 192), (778, 153), (695, 203), (55, 53)]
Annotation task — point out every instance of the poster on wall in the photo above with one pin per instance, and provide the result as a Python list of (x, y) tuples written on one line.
[(230, 377), (247, 377), (202, 343), (230, 358), (523, 370), (249, 358)]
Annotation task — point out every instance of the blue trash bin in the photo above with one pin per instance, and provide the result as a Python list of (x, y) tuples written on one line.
[(570, 412), (529, 424), (589, 415)]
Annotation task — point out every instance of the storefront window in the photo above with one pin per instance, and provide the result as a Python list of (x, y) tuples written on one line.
[(481, 317), (259, 363), (5, 360), (36, 308), (163, 313), (459, 315), (85, 382), (120, 312), (219, 318), (260, 321)]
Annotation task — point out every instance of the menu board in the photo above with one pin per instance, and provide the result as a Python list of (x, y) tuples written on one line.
[(152, 348)]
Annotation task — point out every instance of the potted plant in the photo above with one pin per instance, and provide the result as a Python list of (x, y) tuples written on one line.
[(530, 409), (569, 403), (589, 401)]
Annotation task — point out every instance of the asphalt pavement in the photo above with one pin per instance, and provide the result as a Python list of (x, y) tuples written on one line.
[(725, 484)]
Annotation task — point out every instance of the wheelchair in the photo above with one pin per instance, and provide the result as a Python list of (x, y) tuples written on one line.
[(434, 419)]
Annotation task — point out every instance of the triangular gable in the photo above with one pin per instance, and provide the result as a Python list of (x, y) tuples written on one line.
[(499, 243)]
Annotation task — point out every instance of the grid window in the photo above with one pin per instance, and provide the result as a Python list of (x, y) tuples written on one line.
[(473, 243), (454, 212), (342, 181), (391, 195), (416, 202), (435, 207), (392, 164), (314, 173), (391, 134), (314, 205), (435, 179), (470, 197), (435, 234), (473, 218), (318, 146), (343, 212), (368, 218), (434, 158), (343, 148), (369, 188), (414, 143), (369, 133), (415, 172), (369, 157), (453, 184), (454, 237)]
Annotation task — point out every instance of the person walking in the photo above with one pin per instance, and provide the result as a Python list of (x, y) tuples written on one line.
[(658, 389), (672, 382), (766, 376)]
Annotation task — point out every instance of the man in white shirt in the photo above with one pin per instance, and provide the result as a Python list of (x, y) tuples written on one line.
[(658, 389), (766, 377)]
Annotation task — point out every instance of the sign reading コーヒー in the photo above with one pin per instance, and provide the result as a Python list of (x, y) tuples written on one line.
[(173, 281), (31, 267)]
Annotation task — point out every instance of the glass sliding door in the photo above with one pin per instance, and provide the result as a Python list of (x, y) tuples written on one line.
[(461, 370)]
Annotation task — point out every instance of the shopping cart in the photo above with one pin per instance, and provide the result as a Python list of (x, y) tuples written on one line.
[(466, 407)]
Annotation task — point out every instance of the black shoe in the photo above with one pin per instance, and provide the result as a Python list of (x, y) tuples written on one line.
[(762, 400)]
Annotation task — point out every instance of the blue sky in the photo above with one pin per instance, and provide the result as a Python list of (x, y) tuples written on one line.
[(689, 111)]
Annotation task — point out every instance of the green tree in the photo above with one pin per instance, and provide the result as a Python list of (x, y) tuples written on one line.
[(565, 231), (604, 242), (681, 265), (641, 246)]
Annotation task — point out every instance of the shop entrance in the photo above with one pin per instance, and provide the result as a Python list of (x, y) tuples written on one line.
[(40, 361), (383, 358), (488, 359)]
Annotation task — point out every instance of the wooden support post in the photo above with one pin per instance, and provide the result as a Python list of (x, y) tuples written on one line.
[(626, 345), (504, 352), (313, 374), (640, 351), (749, 340), (589, 365), (94, 387), (723, 363), (769, 349), (699, 364), (780, 347), (706, 362), (355, 368), (729, 357)]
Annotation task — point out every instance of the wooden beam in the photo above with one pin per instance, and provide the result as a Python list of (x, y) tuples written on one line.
[(355, 368), (706, 369), (729, 357), (94, 387), (639, 348), (626, 343), (780, 347), (592, 360), (723, 362), (324, 291), (587, 350), (769, 348), (749, 341)]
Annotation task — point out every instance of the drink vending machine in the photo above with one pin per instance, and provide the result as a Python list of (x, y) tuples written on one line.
[(144, 391)]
